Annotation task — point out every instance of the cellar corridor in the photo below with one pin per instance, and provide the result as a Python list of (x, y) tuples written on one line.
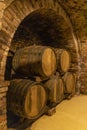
[(43, 63)]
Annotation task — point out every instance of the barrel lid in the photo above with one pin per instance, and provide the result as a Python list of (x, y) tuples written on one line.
[(69, 82), (65, 60), (35, 101), (49, 62)]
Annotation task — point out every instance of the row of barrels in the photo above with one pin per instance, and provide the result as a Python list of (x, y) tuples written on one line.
[(28, 98), (41, 61)]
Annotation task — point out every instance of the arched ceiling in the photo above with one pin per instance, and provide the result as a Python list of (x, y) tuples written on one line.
[(77, 12)]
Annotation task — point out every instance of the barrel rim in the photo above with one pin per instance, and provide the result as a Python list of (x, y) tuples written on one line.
[(64, 79), (64, 50), (48, 47), (59, 63), (44, 106)]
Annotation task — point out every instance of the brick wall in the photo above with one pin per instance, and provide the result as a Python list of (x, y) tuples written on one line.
[(83, 76), (3, 84)]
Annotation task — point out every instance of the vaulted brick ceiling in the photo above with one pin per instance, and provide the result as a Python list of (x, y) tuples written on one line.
[(77, 12)]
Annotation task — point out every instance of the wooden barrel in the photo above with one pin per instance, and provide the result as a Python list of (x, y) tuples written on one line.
[(35, 60), (26, 98), (55, 89), (63, 60), (69, 81)]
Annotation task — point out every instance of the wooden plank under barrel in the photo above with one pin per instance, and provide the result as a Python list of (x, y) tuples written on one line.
[(35, 61), (26, 98), (63, 60)]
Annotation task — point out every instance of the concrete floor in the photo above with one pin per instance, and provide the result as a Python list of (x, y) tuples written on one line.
[(70, 115)]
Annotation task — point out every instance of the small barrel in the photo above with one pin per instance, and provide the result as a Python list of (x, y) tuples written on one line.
[(55, 89), (63, 60), (35, 61), (26, 98), (69, 81)]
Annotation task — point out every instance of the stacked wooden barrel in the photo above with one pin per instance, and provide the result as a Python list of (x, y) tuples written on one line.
[(45, 81), (30, 98), (63, 65), (63, 60), (35, 60), (55, 87)]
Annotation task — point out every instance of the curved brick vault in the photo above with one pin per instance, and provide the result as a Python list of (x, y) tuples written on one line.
[(14, 12)]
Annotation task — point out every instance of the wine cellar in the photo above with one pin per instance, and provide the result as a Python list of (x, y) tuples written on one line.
[(43, 51)]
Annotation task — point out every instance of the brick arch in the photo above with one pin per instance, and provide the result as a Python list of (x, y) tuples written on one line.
[(14, 15)]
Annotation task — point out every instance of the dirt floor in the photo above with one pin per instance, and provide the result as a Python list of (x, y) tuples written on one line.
[(70, 115)]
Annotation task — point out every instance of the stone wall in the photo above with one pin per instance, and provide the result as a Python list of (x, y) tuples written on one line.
[(83, 76)]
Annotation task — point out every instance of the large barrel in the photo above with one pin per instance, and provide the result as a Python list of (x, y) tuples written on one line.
[(69, 81), (35, 60), (55, 89), (63, 60), (26, 98)]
